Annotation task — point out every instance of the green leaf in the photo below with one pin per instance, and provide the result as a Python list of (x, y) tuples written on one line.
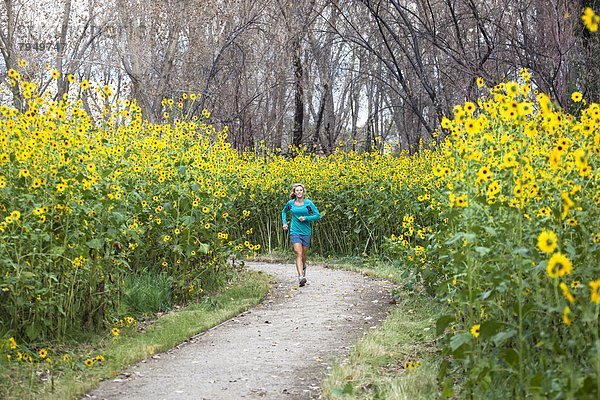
[(521, 251), (95, 244), (441, 290), (61, 310), (188, 220), (586, 388), (442, 323), (486, 294), (458, 340), (536, 381), (26, 275), (510, 356), (203, 248), (119, 217), (526, 309), (454, 239), (482, 251), (442, 369), (490, 231), (112, 233), (177, 249), (470, 237), (136, 194), (348, 388), (32, 332), (489, 328), (57, 250), (503, 336), (570, 249), (447, 390)]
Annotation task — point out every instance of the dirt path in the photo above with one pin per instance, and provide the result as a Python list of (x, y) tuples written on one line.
[(278, 350)]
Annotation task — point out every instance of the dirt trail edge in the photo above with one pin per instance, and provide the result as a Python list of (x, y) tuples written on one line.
[(277, 350)]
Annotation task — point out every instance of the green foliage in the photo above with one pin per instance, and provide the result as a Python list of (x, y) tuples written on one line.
[(147, 292)]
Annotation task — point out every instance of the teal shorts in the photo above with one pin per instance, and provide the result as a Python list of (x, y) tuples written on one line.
[(302, 239)]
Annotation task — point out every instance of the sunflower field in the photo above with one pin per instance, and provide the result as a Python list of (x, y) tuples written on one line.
[(519, 256), (83, 205), (499, 220)]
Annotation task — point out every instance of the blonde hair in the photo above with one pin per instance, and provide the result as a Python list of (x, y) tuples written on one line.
[(294, 186)]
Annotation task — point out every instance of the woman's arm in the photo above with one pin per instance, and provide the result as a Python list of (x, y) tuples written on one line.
[(284, 212), (315, 216)]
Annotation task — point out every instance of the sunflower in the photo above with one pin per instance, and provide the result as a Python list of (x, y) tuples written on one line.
[(571, 222), (470, 107), (590, 19), (462, 201), (576, 97), (595, 291), (544, 212), (475, 330), (43, 353), (558, 266), (565, 291), (547, 241), (566, 319)]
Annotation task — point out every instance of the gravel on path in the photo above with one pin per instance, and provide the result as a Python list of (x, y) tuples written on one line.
[(280, 349)]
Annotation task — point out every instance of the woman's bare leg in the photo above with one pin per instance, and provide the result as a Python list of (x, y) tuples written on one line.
[(304, 251), (298, 249)]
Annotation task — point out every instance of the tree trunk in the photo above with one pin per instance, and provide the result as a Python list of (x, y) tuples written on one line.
[(297, 131), (8, 52), (63, 82)]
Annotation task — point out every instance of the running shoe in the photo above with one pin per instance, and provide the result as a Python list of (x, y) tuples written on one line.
[(301, 281)]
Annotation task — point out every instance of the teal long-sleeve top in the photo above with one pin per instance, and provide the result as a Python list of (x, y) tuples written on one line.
[(308, 210)]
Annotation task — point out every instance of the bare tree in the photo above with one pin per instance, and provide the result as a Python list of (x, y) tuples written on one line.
[(8, 43), (150, 34), (432, 51), (315, 73), (296, 17)]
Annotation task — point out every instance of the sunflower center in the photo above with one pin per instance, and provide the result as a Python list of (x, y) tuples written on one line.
[(559, 267)]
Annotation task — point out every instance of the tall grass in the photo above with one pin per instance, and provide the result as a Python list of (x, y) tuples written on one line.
[(147, 292)]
